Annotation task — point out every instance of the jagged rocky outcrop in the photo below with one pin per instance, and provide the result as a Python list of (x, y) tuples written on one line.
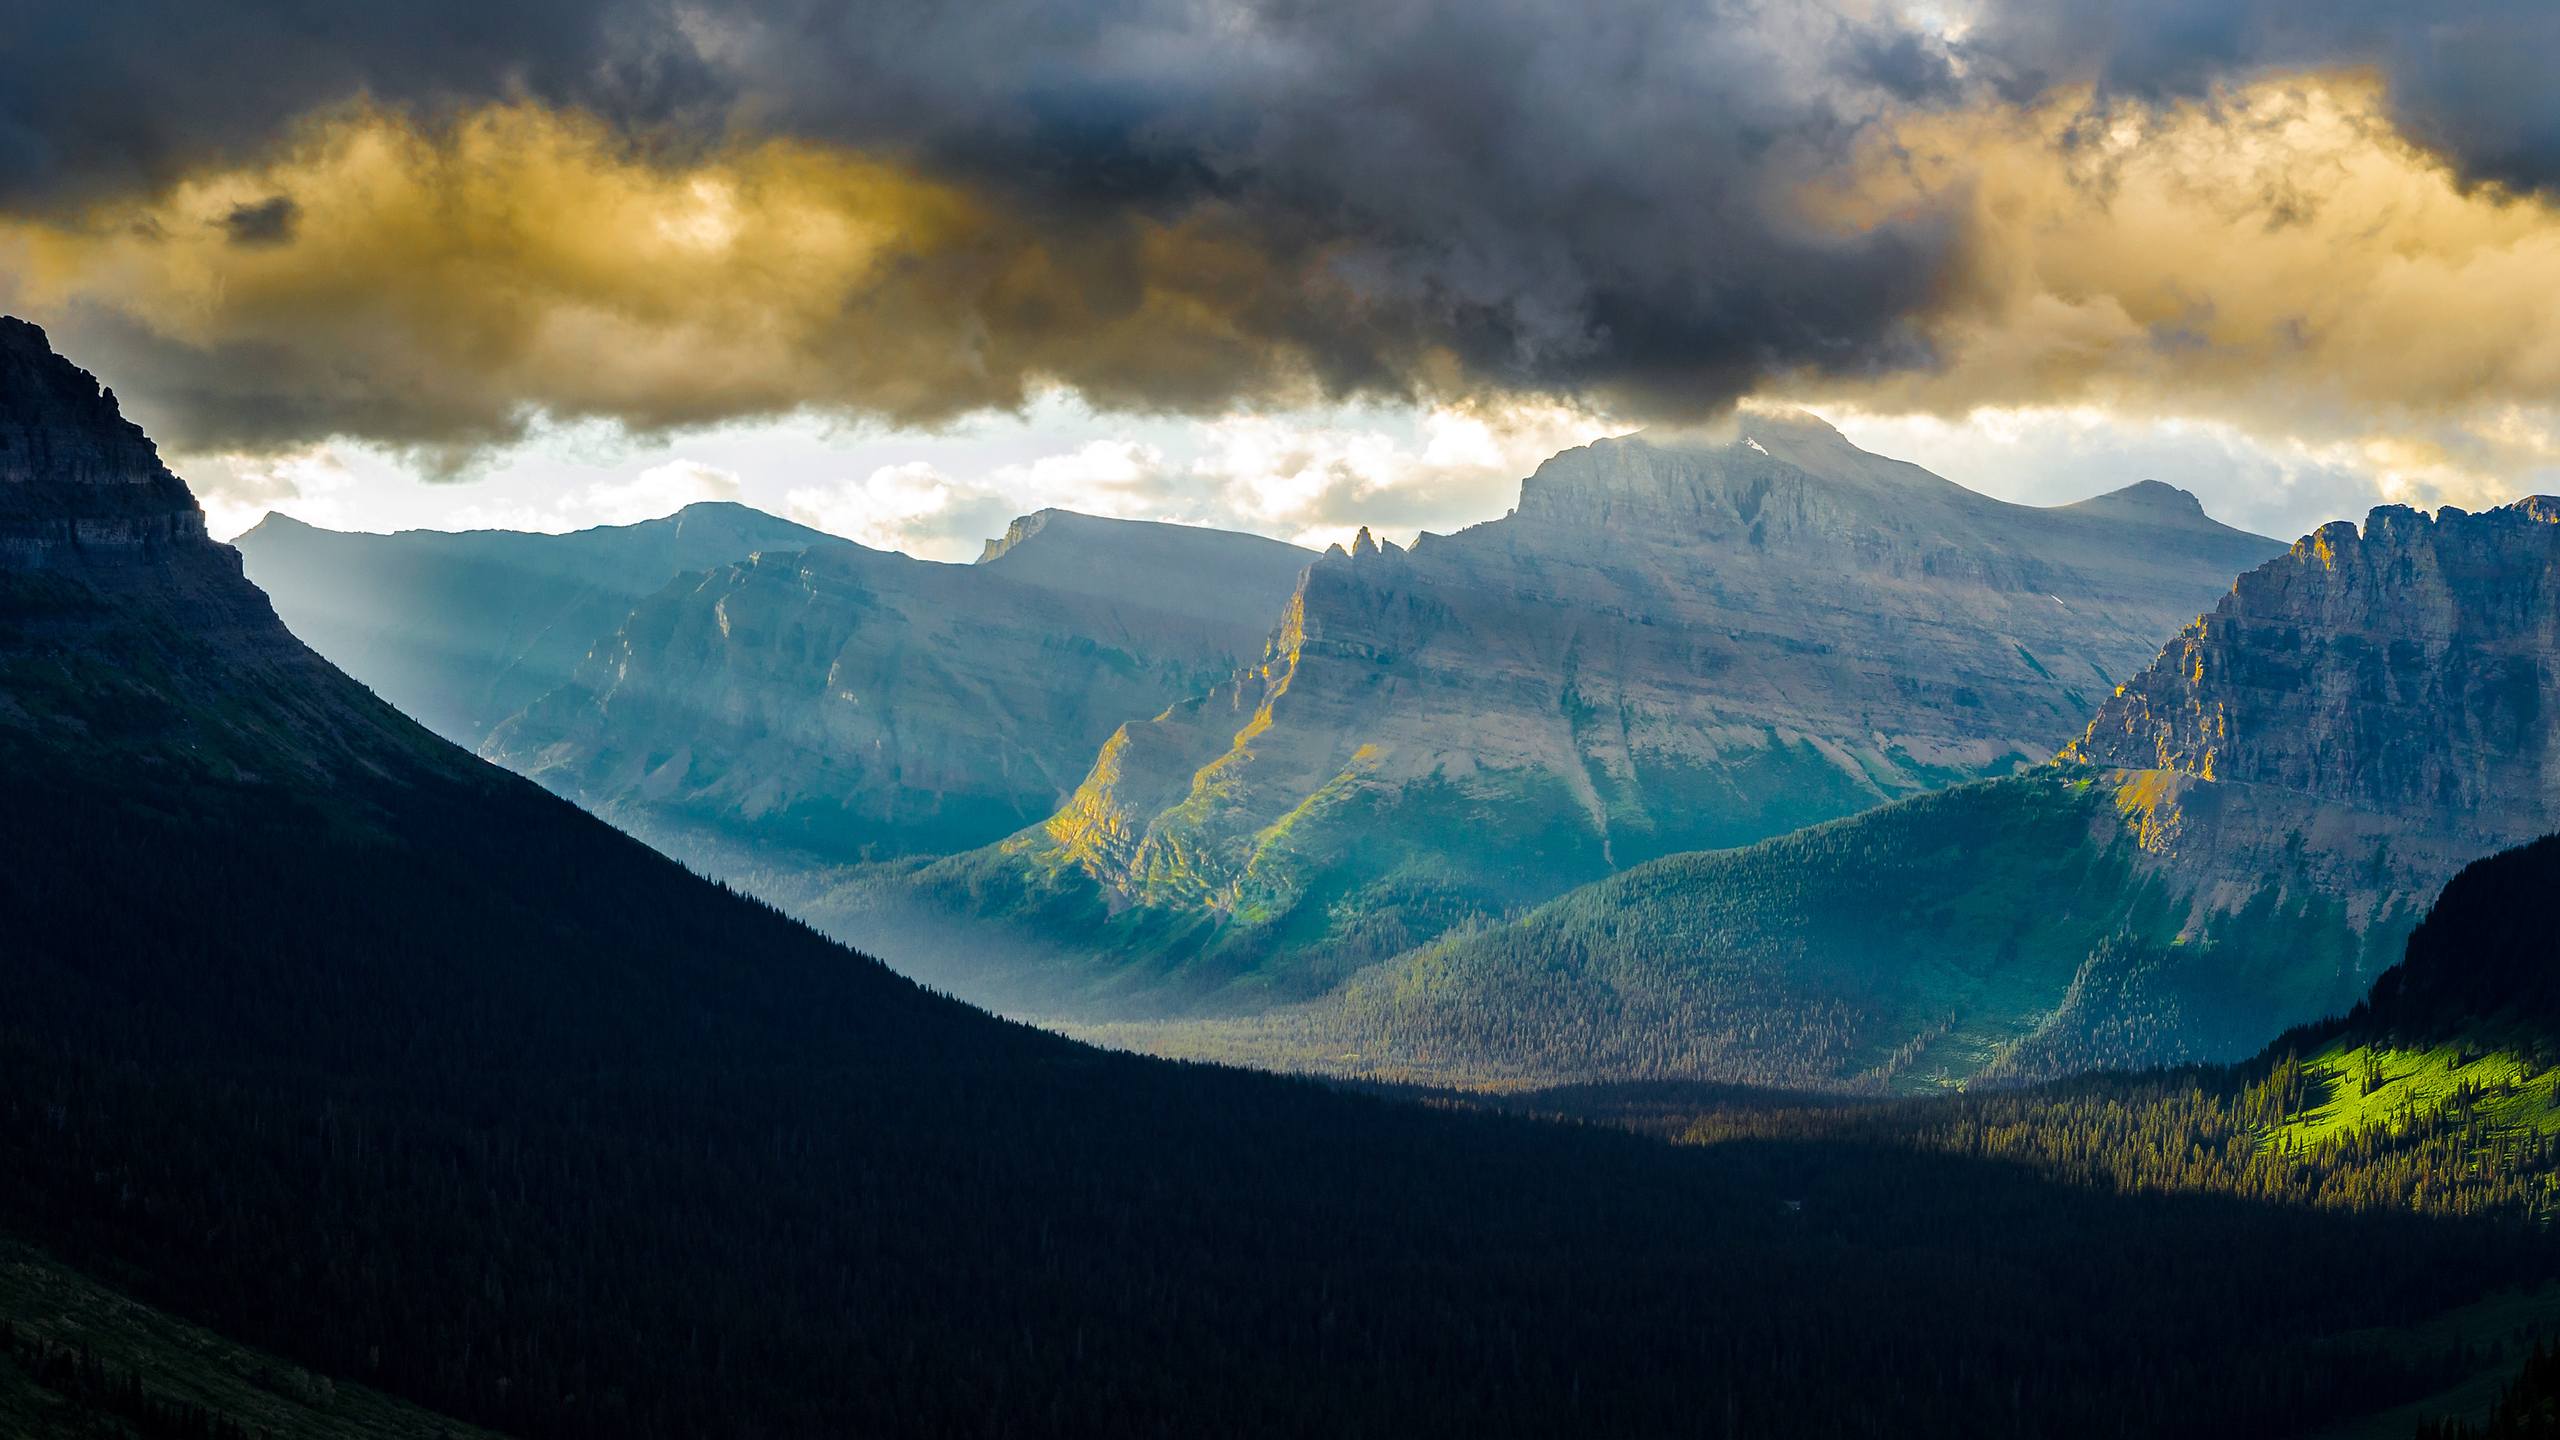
[(79, 483), (104, 558), (461, 630), (2410, 668), (810, 708), (1665, 647), (2357, 720)]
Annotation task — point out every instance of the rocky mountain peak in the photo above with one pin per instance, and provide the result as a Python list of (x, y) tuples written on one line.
[(78, 481), (1022, 529), (277, 523), (2409, 666), (2156, 501), (1769, 481)]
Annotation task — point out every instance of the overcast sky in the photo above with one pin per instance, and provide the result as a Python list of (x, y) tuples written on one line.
[(906, 270)]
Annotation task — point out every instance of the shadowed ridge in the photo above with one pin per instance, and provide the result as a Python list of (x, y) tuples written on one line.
[(79, 483), (2486, 960)]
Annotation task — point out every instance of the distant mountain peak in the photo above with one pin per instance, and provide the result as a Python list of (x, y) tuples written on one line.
[(1102, 533), (2146, 500), (276, 522), (745, 522), (78, 481), (720, 509), (1022, 528)]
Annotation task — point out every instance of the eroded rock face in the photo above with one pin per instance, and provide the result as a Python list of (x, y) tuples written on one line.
[(2408, 669), (1663, 648), (79, 483)]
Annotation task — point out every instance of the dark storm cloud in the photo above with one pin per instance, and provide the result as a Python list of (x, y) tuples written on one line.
[(264, 222), (1429, 196), (102, 95), (2469, 79), (1465, 194)]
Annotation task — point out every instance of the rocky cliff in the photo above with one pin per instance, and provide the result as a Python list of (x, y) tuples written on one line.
[(1216, 578), (79, 483), (817, 707), (104, 565), (2356, 721), (2410, 668), (1665, 647)]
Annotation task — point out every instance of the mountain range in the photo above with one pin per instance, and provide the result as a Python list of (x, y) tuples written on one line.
[(1665, 647), (2238, 843), (336, 1041), (747, 692), (462, 630)]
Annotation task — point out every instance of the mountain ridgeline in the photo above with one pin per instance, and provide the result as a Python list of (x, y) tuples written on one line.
[(745, 691), (1664, 648), (841, 704), (2237, 844), (460, 631)]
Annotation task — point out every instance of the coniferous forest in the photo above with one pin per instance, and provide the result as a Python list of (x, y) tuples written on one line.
[(427, 1151)]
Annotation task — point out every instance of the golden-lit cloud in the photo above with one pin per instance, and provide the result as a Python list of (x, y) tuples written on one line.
[(2278, 257), (436, 286), (716, 210)]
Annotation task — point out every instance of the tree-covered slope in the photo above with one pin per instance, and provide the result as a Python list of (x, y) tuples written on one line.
[(2438, 1096), (2013, 927), (2486, 960), (78, 1361)]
